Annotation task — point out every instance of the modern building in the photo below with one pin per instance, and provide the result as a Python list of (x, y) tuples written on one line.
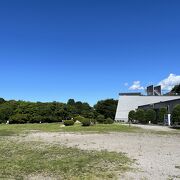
[(169, 105), (131, 101)]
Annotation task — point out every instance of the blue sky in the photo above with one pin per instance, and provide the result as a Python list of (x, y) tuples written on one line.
[(86, 49)]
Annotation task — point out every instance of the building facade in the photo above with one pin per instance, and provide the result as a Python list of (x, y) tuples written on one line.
[(169, 105), (131, 101)]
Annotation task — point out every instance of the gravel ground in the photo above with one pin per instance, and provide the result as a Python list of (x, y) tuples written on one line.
[(154, 127), (157, 156)]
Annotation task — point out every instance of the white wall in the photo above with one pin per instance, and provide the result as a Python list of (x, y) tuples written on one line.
[(127, 103)]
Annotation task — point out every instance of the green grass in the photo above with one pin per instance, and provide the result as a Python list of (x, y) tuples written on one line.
[(101, 128), (19, 160), (57, 127), (164, 132), (12, 129), (5, 132), (19, 128)]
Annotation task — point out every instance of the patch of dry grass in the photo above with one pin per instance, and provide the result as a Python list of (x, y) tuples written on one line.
[(19, 160)]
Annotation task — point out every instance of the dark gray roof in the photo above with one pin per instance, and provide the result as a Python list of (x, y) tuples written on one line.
[(130, 94)]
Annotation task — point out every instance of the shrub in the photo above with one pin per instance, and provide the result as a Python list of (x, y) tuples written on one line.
[(93, 121), (140, 116), (150, 115), (68, 122), (79, 118), (86, 122), (73, 118), (100, 119), (131, 115), (36, 119), (48, 119), (176, 114), (108, 121), (19, 119), (59, 119)]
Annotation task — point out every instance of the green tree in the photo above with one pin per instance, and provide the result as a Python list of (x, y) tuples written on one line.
[(131, 115), (43, 112), (63, 113), (106, 107), (140, 116), (150, 115), (36, 119), (176, 89), (19, 118), (161, 114), (176, 114), (6, 110), (71, 102), (2, 100)]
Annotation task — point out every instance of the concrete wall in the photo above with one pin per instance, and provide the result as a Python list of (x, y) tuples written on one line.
[(127, 103)]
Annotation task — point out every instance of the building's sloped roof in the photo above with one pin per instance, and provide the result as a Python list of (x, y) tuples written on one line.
[(130, 94)]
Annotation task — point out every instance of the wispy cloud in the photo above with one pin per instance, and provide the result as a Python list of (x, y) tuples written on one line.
[(169, 82), (126, 84), (136, 86)]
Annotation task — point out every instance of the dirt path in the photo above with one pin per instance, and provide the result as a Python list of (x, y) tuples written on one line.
[(158, 156)]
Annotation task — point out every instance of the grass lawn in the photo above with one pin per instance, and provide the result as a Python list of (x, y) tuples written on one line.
[(23, 160), (11, 129), (30, 159), (39, 160)]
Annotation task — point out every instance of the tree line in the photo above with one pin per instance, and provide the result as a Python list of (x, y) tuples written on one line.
[(46, 112), (155, 117)]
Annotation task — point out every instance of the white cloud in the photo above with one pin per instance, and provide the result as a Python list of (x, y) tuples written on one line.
[(126, 84), (169, 82), (136, 86)]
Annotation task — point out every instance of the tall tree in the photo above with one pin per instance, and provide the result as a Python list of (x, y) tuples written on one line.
[(2, 100), (176, 114), (106, 107), (150, 115), (176, 89), (71, 102), (161, 114), (131, 115), (140, 113)]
